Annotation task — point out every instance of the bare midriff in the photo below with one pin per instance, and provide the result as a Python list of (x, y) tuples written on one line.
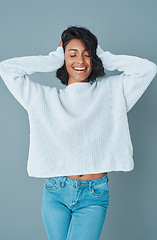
[(87, 177)]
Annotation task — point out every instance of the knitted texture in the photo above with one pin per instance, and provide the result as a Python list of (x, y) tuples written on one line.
[(83, 128)]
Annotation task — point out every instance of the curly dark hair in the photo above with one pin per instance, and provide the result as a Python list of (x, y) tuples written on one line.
[(90, 41)]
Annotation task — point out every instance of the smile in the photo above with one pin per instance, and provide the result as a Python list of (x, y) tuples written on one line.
[(79, 70)]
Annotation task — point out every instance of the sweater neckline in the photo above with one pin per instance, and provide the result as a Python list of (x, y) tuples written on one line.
[(80, 84)]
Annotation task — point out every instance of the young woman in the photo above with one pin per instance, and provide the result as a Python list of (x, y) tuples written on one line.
[(80, 133)]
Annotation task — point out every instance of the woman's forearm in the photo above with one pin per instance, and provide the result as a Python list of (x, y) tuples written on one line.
[(14, 73), (130, 65), (136, 77), (32, 64)]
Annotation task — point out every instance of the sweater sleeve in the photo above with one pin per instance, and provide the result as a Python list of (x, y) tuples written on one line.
[(136, 77), (14, 73)]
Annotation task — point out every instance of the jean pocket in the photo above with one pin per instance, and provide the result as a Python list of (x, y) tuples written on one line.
[(100, 189), (52, 184)]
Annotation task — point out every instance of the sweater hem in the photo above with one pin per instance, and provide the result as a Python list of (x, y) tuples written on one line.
[(79, 173)]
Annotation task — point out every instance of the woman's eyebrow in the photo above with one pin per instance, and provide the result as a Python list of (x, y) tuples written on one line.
[(72, 49)]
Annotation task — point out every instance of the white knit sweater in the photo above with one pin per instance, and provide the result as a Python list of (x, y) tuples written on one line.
[(83, 128)]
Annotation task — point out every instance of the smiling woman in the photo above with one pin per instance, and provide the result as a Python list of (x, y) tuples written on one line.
[(82, 129), (79, 46), (78, 62), (81, 64)]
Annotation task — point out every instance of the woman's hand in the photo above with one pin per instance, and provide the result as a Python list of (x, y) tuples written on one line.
[(60, 44)]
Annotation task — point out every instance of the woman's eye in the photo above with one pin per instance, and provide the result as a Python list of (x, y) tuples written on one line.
[(75, 55)]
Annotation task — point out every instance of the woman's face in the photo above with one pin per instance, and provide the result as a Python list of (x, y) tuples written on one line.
[(76, 56)]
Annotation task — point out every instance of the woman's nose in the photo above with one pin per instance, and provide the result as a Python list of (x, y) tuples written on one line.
[(80, 59)]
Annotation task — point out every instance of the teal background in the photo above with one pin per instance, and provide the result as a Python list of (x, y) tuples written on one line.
[(34, 28)]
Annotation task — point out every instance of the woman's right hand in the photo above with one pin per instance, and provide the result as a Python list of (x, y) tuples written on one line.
[(60, 44)]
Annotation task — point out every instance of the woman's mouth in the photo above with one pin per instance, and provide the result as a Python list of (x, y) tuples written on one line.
[(80, 70)]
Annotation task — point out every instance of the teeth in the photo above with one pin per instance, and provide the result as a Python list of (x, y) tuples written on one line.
[(79, 68)]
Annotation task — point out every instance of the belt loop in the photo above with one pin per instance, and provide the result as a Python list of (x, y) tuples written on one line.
[(90, 185), (107, 176), (63, 182)]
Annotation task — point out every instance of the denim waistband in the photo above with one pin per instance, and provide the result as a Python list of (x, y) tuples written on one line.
[(84, 182)]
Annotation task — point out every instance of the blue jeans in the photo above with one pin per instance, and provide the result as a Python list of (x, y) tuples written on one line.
[(74, 209)]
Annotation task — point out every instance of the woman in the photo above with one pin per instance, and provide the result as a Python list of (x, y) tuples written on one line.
[(80, 133)]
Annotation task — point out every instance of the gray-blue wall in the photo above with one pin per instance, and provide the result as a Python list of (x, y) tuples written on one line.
[(34, 27)]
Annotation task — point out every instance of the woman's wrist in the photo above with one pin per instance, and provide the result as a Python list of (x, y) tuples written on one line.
[(99, 51)]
